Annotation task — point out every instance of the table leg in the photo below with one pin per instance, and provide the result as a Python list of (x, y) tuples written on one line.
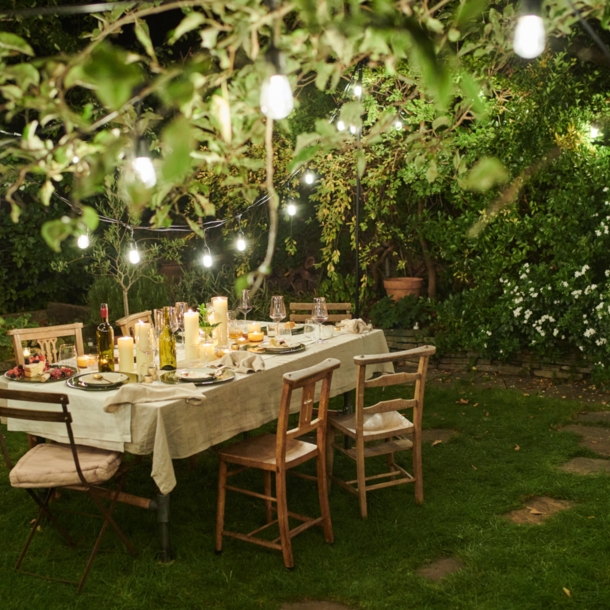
[(163, 521), (348, 407)]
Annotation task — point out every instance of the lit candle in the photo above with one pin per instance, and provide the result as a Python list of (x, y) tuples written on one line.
[(125, 345), (26, 352), (83, 362), (254, 327), (255, 336), (206, 351), (221, 308), (191, 335)]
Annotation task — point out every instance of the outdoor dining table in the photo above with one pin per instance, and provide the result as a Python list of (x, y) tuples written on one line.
[(173, 428)]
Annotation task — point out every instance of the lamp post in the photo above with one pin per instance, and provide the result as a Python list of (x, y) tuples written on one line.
[(358, 89)]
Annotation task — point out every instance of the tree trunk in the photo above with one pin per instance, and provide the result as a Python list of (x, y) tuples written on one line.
[(427, 258), (125, 301)]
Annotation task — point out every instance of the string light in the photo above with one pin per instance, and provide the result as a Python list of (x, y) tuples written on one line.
[(241, 242), (134, 255), (593, 132), (142, 165), (340, 126), (207, 258), (276, 99), (358, 90), (353, 129), (291, 208), (83, 240), (530, 36), (398, 124), (309, 177)]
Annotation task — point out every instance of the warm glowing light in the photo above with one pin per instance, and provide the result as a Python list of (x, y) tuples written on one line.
[(276, 97), (309, 177), (353, 129), (241, 242), (593, 132), (358, 90), (144, 169), (75, 159), (207, 259), (398, 124), (291, 209), (134, 255), (529, 37), (83, 241), (340, 125)]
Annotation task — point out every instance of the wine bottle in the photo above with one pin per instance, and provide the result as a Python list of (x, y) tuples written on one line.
[(105, 342), (167, 345)]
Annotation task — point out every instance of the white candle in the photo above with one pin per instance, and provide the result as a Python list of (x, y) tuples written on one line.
[(144, 353), (206, 351), (191, 335), (254, 327), (26, 352), (125, 354), (221, 308)]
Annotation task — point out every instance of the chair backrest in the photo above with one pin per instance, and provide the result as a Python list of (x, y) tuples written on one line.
[(62, 416), (343, 311), (127, 323), (310, 420), (421, 354), (46, 337)]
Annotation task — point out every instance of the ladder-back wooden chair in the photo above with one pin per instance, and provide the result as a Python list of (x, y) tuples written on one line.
[(381, 429), (52, 466), (300, 312), (127, 323), (279, 453), (46, 337)]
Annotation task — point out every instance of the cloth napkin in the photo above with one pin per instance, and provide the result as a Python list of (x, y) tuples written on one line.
[(384, 421), (139, 393), (241, 362), (356, 327)]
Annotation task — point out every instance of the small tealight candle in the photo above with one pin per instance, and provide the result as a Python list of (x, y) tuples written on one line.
[(255, 336), (82, 362), (254, 327), (26, 352), (206, 351), (148, 379)]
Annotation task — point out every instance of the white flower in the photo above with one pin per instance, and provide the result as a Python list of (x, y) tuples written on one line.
[(589, 332), (602, 341), (585, 268), (523, 276), (565, 284), (577, 274), (576, 293), (555, 332), (598, 232), (534, 294), (600, 306), (518, 300), (581, 348), (489, 333), (416, 326), (527, 314), (605, 190), (517, 312)]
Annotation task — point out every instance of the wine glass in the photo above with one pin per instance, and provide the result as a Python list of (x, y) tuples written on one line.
[(67, 355), (180, 308), (319, 314), (245, 303), (158, 317), (277, 311)]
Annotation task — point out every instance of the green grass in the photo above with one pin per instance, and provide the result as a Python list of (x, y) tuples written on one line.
[(469, 483)]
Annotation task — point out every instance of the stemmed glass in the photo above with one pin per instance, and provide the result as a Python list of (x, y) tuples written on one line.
[(245, 303), (319, 314), (277, 311), (180, 309)]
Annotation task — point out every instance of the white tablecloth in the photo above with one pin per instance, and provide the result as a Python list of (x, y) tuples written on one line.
[(178, 430)]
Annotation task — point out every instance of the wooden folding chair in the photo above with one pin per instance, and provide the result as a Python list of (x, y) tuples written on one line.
[(280, 453), (127, 323), (381, 429), (300, 312), (52, 466), (46, 337)]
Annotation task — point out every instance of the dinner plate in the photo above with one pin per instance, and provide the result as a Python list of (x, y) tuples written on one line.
[(77, 383), (108, 379), (194, 374), (171, 378), (282, 349), (38, 378)]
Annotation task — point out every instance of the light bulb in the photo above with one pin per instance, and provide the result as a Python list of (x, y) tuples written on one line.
[(83, 241), (134, 255), (207, 259), (309, 177), (241, 242), (529, 37), (340, 126), (276, 97), (398, 124), (353, 129), (593, 132), (291, 209), (144, 169), (75, 159), (358, 90)]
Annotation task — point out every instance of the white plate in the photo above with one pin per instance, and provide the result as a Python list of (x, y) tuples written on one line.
[(107, 379), (194, 374)]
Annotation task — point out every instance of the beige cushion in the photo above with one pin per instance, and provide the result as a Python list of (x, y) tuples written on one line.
[(376, 423), (52, 465)]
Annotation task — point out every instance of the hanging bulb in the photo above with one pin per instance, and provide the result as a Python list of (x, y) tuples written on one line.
[(309, 177), (83, 241), (358, 90), (276, 99), (241, 242), (353, 129), (134, 255), (291, 209), (398, 124), (530, 36), (340, 126), (142, 165), (207, 258)]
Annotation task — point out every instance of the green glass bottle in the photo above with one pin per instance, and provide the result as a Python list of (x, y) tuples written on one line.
[(105, 342), (167, 345)]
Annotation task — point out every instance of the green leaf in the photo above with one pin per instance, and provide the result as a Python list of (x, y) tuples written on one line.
[(45, 192), (195, 227), (486, 173), (190, 22), (90, 217), (12, 42), (472, 91), (178, 141), (54, 232), (208, 38), (470, 9), (360, 163), (432, 172), (143, 35), (24, 74), (442, 121)]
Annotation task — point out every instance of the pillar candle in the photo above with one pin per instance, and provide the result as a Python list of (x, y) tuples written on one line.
[(206, 351), (191, 335), (144, 352), (254, 327), (125, 354), (221, 307)]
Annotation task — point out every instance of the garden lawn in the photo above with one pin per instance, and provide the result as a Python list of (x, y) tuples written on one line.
[(469, 483)]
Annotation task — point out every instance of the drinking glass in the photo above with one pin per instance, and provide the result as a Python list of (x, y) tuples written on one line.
[(319, 314), (277, 311), (67, 355), (245, 303), (158, 313), (146, 349), (180, 309)]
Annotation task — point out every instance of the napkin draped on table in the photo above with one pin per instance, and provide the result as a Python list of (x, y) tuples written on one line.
[(241, 362), (138, 393), (357, 326)]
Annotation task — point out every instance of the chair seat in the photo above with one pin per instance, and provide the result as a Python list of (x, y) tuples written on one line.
[(259, 452), (390, 423), (52, 465)]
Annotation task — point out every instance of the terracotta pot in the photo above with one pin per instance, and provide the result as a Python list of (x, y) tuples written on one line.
[(398, 287)]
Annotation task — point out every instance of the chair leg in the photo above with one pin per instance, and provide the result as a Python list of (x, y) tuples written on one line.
[(330, 455), (360, 475), (267, 487), (220, 509), (417, 469), (323, 494), (282, 516)]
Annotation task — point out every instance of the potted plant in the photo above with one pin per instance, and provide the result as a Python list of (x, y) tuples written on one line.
[(398, 287)]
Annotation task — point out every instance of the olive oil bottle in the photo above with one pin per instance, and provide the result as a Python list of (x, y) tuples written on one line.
[(167, 345)]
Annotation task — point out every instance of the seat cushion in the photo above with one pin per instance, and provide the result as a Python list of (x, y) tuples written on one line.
[(52, 465), (391, 422)]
